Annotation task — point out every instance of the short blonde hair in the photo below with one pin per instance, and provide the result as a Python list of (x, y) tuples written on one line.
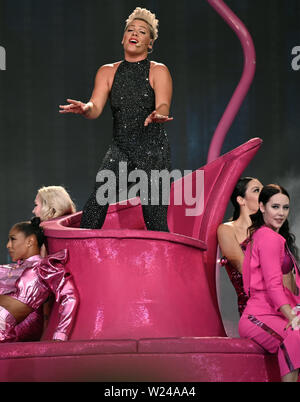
[(145, 15), (55, 202)]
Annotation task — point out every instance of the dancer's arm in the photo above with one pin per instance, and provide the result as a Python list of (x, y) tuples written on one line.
[(271, 254), (68, 300), (51, 271), (289, 282), (230, 247), (62, 285), (161, 82), (93, 108), (103, 83)]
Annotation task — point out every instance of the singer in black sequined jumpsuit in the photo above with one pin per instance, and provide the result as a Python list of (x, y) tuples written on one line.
[(132, 100), (140, 96)]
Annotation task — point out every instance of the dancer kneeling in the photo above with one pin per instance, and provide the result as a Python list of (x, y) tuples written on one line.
[(26, 283), (270, 317)]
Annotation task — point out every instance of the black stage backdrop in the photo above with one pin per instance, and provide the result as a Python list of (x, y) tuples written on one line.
[(51, 50)]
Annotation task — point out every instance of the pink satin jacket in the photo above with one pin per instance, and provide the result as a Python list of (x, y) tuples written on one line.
[(10, 273), (41, 277), (262, 273)]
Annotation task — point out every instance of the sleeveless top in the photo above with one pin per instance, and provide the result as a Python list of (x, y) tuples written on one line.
[(142, 149), (132, 99)]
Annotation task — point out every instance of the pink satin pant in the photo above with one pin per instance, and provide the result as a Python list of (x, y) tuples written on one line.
[(269, 332), (28, 330), (31, 328)]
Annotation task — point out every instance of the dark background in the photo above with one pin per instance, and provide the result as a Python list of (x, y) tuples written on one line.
[(53, 50)]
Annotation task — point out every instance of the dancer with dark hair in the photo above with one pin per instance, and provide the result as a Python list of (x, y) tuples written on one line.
[(27, 283), (232, 235), (271, 315), (140, 93)]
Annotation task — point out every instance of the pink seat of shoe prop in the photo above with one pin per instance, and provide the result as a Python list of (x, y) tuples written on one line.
[(126, 215)]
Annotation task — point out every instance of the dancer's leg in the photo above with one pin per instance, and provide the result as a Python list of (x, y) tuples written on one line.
[(93, 215)]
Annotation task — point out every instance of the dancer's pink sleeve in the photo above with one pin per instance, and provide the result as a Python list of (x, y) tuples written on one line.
[(271, 254), (52, 271)]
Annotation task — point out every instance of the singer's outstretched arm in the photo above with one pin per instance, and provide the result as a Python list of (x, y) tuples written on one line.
[(93, 108)]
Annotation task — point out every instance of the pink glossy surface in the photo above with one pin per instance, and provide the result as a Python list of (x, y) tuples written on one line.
[(247, 77), (138, 283), (220, 177), (134, 284), (173, 359)]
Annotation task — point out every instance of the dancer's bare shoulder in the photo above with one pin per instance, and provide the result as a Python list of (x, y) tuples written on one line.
[(229, 245), (160, 75), (226, 232), (107, 72), (157, 68), (226, 229), (110, 67)]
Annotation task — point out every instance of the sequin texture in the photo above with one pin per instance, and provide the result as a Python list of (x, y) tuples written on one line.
[(236, 279), (132, 99)]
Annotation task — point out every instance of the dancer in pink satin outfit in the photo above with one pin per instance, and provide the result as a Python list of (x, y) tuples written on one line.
[(232, 236), (26, 284), (271, 315), (50, 202)]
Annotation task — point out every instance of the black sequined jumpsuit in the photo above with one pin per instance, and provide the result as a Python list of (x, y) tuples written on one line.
[(147, 148)]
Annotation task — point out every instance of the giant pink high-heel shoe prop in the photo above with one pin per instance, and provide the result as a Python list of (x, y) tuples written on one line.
[(144, 284), (135, 284), (148, 307), (243, 86)]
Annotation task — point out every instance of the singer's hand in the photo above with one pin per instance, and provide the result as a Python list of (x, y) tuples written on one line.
[(156, 118), (76, 107)]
